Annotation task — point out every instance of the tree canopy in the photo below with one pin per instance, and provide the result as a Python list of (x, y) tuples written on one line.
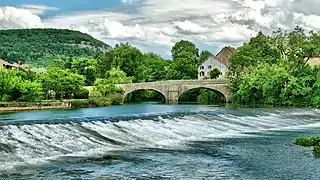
[(274, 69), (39, 47)]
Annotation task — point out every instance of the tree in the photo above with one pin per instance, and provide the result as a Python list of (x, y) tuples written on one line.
[(104, 64), (105, 90), (262, 84), (15, 86), (204, 56), (215, 73), (185, 46), (185, 59), (85, 67), (63, 82), (153, 68), (127, 58)]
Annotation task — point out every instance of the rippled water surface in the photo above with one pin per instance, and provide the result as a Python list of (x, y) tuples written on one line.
[(153, 141)]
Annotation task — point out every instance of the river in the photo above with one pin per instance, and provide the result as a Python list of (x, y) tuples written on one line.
[(156, 141)]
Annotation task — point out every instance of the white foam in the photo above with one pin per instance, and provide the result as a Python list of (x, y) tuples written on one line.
[(38, 143)]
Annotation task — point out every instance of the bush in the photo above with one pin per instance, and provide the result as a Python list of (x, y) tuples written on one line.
[(307, 141), (83, 93), (99, 101), (116, 98), (316, 151), (96, 99), (215, 73), (79, 103)]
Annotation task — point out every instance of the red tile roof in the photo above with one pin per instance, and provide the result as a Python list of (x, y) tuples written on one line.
[(225, 54)]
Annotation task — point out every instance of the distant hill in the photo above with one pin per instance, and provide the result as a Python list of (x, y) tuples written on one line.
[(39, 46)]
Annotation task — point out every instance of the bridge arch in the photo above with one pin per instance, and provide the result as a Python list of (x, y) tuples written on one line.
[(215, 90), (163, 95)]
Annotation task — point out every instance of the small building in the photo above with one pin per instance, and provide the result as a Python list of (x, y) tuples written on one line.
[(220, 61), (8, 65)]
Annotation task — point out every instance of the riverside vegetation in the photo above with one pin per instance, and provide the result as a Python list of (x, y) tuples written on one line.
[(73, 60), (267, 70), (310, 142)]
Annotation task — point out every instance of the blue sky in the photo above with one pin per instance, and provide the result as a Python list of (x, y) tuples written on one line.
[(65, 6), (155, 25)]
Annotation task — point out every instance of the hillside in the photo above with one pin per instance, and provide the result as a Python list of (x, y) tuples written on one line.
[(39, 46)]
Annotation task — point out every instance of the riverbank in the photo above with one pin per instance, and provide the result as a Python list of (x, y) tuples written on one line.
[(20, 106)]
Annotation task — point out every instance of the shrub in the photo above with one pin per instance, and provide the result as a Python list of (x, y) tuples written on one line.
[(116, 98), (316, 151), (307, 141), (215, 73), (79, 103), (83, 93), (99, 101), (96, 99)]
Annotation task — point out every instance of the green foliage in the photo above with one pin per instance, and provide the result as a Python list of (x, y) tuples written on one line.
[(85, 67), (182, 47), (117, 76), (40, 46), (105, 92), (262, 84), (123, 56), (307, 141), (144, 95), (83, 93), (310, 141), (153, 68), (201, 96), (63, 82), (204, 55), (185, 60), (274, 70), (316, 151), (215, 73), (207, 96), (76, 103), (15, 86)]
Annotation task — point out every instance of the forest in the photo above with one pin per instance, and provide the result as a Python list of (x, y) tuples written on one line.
[(69, 68), (268, 69), (37, 47)]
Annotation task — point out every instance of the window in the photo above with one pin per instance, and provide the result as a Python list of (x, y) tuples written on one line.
[(201, 73), (201, 67), (209, 67)]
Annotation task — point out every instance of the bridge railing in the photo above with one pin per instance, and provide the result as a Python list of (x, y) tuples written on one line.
[(179, 82)]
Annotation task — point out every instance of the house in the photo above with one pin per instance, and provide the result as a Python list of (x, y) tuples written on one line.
[(220, 61), (225, 54), (8, 65)]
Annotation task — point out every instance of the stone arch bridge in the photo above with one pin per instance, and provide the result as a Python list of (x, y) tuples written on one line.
[(171, 90)]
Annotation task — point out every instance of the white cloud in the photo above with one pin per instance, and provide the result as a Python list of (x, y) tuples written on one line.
[(11, 17), (190, 27), (38, 9), (155, 25)]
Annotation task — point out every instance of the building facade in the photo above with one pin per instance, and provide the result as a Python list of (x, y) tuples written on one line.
[(220, 61), (211, 63)]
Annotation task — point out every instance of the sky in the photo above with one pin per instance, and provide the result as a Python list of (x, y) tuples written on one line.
[(156, 25)]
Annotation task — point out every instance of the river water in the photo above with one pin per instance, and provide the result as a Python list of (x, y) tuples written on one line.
[(154, 141)]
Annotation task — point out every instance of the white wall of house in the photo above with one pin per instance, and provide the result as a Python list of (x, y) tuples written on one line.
[(211, 63)]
